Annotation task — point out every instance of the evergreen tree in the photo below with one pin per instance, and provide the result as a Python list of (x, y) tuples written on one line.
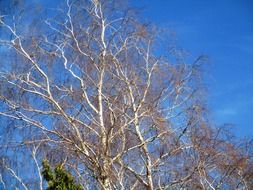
[(59, 178)]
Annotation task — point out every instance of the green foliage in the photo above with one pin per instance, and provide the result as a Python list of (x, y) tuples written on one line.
[(59, 178)]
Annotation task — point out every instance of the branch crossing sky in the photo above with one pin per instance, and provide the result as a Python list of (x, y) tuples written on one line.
[(223, 30)]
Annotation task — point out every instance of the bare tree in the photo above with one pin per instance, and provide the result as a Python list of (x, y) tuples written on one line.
[(86, 88)]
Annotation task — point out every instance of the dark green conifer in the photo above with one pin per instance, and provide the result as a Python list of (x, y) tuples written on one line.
[(59, 178)]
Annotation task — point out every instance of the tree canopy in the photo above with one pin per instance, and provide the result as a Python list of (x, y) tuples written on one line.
[(88, 84)]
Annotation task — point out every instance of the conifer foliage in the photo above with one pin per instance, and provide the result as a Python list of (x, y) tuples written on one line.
[(59, 178)]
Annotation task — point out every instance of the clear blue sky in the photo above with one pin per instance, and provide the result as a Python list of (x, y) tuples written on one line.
[(222, 29)]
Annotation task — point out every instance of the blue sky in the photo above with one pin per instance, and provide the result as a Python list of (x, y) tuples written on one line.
[(223, 30)]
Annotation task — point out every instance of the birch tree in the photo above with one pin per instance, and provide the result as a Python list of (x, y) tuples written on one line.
[(87, 88)]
